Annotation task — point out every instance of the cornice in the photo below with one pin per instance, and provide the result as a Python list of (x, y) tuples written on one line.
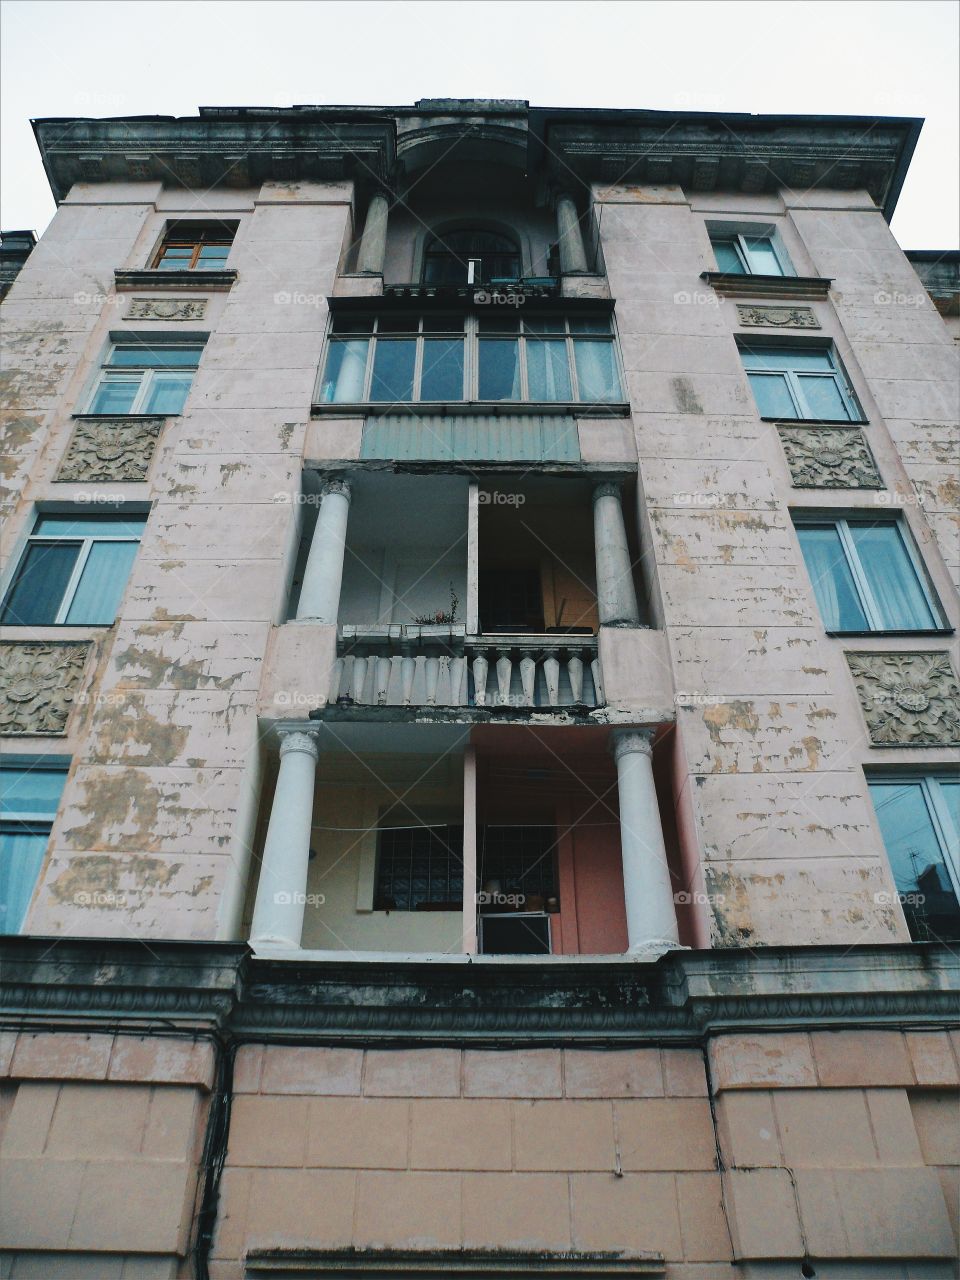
[(682, 997), (790, 288)]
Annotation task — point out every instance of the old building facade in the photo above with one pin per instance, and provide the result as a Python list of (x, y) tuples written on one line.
[(480, 701)]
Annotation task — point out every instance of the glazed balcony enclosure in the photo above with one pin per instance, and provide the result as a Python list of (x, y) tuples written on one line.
[(445, 840), (452, 592)]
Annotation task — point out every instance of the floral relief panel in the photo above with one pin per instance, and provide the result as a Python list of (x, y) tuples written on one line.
[(908, 699)]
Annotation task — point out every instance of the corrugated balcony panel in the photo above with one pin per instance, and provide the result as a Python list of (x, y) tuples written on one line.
[(471, 438)]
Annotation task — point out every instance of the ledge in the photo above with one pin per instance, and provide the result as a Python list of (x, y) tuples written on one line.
[(790, 288), (684, 996), (177, 281), (460, 408), (817, 422), (471, 1263)]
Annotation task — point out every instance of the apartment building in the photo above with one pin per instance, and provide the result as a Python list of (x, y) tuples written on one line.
[(480, 701)]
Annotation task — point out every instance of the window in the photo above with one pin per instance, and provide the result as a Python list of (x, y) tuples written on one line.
[(470, 257), (73, 571), (195, 247), (420, 869), (752, 255), (919, 822), (29, 795), (516, 882), (865, 576), (137, 378), (398, 359), (800, 382)]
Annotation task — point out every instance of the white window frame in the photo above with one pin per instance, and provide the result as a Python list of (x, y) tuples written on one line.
[(26, 818), (861, 581), (73, 582), (839, 377), (741, 248), (148, 374), (941, 819)]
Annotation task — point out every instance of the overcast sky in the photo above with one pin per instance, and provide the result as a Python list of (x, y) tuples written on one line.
[(125, 57)]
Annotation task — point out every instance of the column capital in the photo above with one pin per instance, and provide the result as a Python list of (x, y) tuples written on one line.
[(336, 484), (633, 741), (607, 489), (299, 740)]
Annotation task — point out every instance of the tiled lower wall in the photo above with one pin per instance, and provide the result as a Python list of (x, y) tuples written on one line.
[(833, 1146)]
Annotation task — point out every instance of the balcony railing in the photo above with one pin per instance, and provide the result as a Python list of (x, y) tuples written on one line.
[(441, 666)]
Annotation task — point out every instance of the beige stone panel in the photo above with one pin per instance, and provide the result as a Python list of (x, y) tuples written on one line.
[(766, 817), (516, 1210), (75, 1055), (703, 1223), (412, 1073), (745, 1061), (865, 322), (914, 361), (688, 538), (299, 669), (78, 1266), (253, 389), (679, 354), (937, 491), (749, 661), (932, 1058), (726, 438), (919, 441), (894, 1130), (790, 734), (742, 484), (291, 1069), (242, 432), (606, 440), (154, 1194), (217, 655), (94, 1121), (862, 1058), (247, 1068), (665, 1133), (820, 901), (357, 1133), (697, 393), (512, 1073), (616, 1073), (461, 1134), (226, 479), (637, 1212), (936, 1116), (636, 669), (268, 1131), (38, 1202), (240, 351), (650, 309), (291, 1208), (736, 596), (8, 1044), (233, 1209), (203, 531), (824, 1129), (408, 1210), (192, 590), (874, 1213), (193, 730), (26, 1126), (684, 1073), (762, 1213), (747, 1129), (898, 398), (173, 1126), (569, 1135)]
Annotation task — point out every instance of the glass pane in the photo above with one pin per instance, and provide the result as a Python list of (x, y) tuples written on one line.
[(892, 578), (352, 324), (345, 372), (772, 395), (787, 358), (442, 375), (444, 268), (175, 259), (916, 859), (443, 324), (393, 363), (590, 324), (168, 393), (728, 260), (101, 583), (213, 256), (115, 395), (502, 321), (30, 789), (39, 586), (90, 526), (534, 324), (398, 324), (597, 374), (763, 260), (548, 372), (156, 357), (833, 584), (499, 360), (21, 856), (823, 398)]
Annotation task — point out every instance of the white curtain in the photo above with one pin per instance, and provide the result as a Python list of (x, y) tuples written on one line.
[(20, 857), (893, 582), (102, 582), (824, 559), (597, 371)]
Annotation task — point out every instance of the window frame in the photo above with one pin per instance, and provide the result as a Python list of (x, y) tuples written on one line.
[(738, 239), (180, 236), (73, 582), (149, 375), (30, 822), (472, 337), (429, 253), (861, 582), (942, 822), (838, 376)]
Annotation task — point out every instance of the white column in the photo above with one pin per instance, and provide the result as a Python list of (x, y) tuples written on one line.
[(647, 889), (320, 593), (470, 851), (373, 242), (569, 236), (616, 594), (281, 893)]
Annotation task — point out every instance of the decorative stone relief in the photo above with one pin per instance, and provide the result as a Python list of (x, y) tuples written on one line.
[(166, 308), (118, 449), (829, 458), (781, 317), (908, 699), (38, 684)]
